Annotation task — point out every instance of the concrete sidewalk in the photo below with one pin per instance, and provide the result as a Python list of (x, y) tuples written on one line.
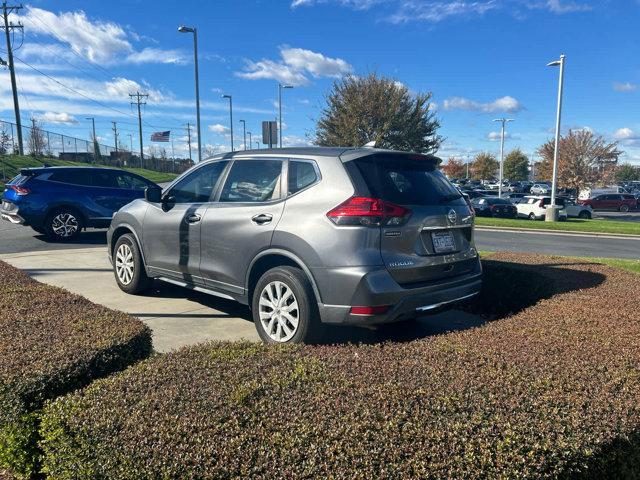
[(180, 317), (176, 315)]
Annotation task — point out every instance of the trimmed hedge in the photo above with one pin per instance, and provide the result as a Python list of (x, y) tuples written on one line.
[(551, 391), (51, 343)]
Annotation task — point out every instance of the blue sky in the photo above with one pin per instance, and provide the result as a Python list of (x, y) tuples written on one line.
[(481, 59)]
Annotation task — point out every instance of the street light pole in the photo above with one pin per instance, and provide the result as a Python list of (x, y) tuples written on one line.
[(554, 182), (280, 87), (503, 121), (250, 142), (244, 132), (184, 29), (230, 116), (93, 124), (258, 144)]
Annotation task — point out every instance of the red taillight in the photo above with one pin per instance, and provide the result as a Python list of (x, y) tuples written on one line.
[(19, 190), (379, 310), (369, 212)]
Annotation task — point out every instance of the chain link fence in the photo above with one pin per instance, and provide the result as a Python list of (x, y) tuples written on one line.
[(41, 143)]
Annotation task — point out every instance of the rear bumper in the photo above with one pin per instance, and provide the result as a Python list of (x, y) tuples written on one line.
[(10, 214), (377, 287)]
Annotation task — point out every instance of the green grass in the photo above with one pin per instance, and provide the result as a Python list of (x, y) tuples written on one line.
[(13, 164), (571, 224), (629, 265)]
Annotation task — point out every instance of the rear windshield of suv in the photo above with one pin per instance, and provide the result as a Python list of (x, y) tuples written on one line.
[(406, 181)]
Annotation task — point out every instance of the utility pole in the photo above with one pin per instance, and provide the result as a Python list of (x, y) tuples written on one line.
[(139, 96), (189, 139), (94, 141), (503, 121), (130, 142), (115, 136), (6, 10)]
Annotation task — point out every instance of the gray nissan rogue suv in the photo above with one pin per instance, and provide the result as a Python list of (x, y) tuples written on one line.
[(305, 236)]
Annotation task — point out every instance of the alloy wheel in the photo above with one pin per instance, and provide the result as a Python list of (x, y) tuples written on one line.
[(64, 225), (124, 264), (279, 314)]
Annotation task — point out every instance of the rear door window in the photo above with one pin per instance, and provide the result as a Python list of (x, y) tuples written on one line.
[(76, 176), (253, 181), (301, 175), (104, 178), (406, 181)]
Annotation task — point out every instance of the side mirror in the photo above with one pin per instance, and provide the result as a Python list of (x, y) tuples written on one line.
[(153, 194)]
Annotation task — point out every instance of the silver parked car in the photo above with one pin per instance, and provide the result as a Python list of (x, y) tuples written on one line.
[(305, 236)]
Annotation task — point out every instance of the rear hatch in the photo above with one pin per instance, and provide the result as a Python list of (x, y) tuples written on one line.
[(435, 240), (16, 188)]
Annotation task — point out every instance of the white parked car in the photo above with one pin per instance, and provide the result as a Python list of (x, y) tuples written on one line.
[(534, 207), (540, 189), (594, 192)]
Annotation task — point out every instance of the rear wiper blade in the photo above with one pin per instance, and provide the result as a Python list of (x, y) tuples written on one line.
[(448, 198)]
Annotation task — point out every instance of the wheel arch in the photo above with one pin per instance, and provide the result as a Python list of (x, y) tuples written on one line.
[(121, 230), (275, 258)]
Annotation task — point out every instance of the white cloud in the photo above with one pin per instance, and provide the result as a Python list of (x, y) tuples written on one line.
[(496, 136), (296, 141), (505, 104), (433, 11), (61, 118), (157, 55), (294, 66), (219, 128), (627, 137), (98, 41), (624, 87)]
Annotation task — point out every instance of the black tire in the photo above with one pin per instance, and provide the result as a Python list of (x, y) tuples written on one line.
[(585, 215), (63, 224), (136, 280), (309, 328), (624, 208), (532, 216)]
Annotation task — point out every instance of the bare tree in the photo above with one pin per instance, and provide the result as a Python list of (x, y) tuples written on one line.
[(37, 141), (584, 159), (5, 142)]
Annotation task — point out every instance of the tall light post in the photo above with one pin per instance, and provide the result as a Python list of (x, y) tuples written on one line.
[(280, 87), (244, 132), (503, 121), (184, 29), (250, 142), (258, 144), (552, 217), (228, 97), (93, 125)]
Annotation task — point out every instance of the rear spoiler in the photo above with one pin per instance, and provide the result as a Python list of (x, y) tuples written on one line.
[(29, 172)]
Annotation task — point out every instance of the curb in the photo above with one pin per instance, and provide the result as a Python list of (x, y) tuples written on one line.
[(625, 236)]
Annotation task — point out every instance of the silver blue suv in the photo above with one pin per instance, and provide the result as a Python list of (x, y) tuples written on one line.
[(305, 237)]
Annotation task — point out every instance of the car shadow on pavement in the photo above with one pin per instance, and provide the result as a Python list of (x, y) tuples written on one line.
[(87, 237)]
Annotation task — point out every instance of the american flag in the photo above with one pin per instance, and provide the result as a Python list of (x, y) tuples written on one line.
[(160, 136)]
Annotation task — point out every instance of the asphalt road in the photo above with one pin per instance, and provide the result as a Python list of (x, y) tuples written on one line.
[(557, 244), (16, 239)]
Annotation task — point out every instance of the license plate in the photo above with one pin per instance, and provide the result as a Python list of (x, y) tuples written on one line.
[(443, 242)]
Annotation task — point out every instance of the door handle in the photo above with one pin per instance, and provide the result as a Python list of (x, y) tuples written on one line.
[(262, 218), (194, 218)]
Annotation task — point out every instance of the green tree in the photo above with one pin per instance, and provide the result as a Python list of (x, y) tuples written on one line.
[(484, 166), (627, 173), (375, 108), (516, 165)]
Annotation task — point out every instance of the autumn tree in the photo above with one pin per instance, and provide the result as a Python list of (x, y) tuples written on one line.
[(627, 173), (484, 166), (454, 168), (584, 159), (516, 166), (375, 108), (5, 142)]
